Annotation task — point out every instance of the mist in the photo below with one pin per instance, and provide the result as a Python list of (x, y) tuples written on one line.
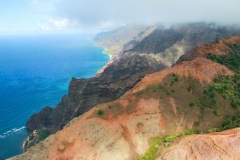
[(108, 14), (44, 16)]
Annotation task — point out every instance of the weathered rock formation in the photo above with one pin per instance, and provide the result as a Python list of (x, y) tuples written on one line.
[(154, 107)]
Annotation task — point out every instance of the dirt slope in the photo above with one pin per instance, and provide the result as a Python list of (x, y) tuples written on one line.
[(123, 130), (215, 146)]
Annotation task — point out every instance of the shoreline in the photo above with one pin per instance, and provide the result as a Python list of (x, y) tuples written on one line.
[(34, 132), (104, 52), (108, 62)]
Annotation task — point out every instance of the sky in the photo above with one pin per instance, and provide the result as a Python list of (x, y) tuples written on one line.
[(60, 16)]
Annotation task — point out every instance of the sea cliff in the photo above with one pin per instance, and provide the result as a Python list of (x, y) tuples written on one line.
[(175, 112), (148, 50)]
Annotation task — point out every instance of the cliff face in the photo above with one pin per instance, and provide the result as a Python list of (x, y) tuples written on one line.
[(152, 50), (162, 103)]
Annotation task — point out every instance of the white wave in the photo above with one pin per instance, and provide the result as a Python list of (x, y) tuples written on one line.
[(10, 132)]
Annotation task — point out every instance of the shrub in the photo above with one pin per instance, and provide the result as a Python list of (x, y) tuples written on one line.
[(212, 95), (151, 153), (100, 112), (234, 104), (176, 79), (196, 123), (215, 112), (42, 134), (181, 134), (191, 104), (168, 92), (204, 91), (169, 138), (190, 131), (110, 107)]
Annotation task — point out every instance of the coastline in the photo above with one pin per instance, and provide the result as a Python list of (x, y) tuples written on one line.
[(104, 52), (17, 134), (33, 133)]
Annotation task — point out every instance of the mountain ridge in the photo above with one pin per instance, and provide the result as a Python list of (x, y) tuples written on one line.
[(156, 106), (125, 70)]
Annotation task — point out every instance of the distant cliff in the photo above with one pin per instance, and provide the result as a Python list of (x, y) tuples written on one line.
[(153, 49), (170, 114)]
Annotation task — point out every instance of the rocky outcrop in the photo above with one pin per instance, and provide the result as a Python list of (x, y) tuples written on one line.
[(152, 50)]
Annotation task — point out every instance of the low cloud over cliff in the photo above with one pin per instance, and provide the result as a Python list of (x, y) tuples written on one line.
[(105, 14)]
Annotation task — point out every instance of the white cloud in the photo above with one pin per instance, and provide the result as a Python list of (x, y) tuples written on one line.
[(44, 27), (106, 25), (58, 24), (52, 24), (95, 15), (101, 13)]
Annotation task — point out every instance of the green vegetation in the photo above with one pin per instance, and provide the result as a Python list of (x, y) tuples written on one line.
[(181, 135), (169, 138), (197, 123), (229, 88), (168, 92), (43, 134), (110, 51), (151, 153), (110, 107), (215, 112), (155, 143), (230, 60), (100, 112), (189, 132), (191, 104), (214, 97), (208, 100), (174, 79), (231, 122)]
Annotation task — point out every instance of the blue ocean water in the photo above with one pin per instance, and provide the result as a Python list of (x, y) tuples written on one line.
[(35, 71)]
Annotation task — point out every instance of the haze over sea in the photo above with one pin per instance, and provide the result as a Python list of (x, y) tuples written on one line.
[(35, 71)]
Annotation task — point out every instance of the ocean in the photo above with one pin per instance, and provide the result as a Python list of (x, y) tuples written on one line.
[(35, 71)]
